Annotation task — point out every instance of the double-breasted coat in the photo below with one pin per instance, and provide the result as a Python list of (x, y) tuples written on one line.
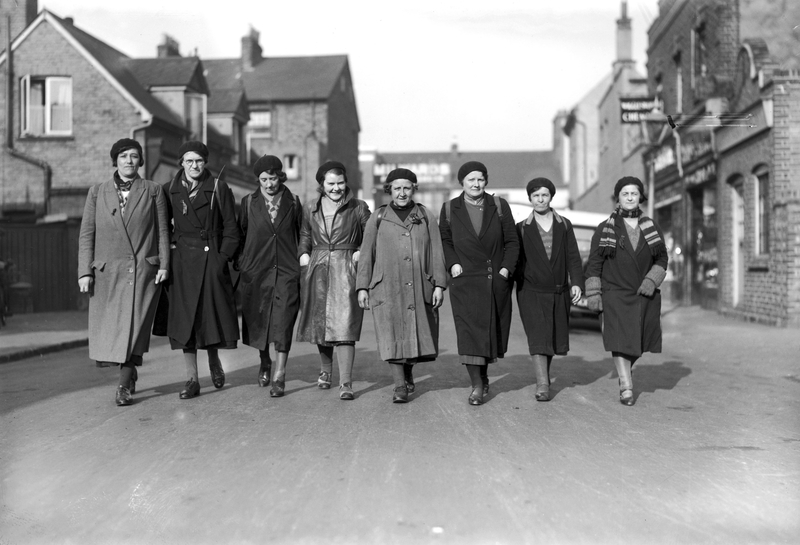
[(329, 311), (202, 311), (480, 296), (631, 322), (543, 284), (123, 252), (269, 281), (401, 263)]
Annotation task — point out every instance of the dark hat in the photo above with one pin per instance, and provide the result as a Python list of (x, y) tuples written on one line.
[(629, 180), (471, 166), (123, 145), (329, 165), (195, 146), (401, 174), (267, 162), (538, 183)]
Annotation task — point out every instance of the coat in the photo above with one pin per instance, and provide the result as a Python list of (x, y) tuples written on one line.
[(543, 285), (329, 311), (631, 322), (123, 253), (401, 263), (202, 312), (269, 282), (480, 296)]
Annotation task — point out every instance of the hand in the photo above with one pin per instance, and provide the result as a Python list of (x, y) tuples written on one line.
[(304, 259), (648, 288), (162, 275), (438, 297), (363, 299), (504, 273), (595, 303), (455, 270), (85, 284), (576, 294), (356, 255)]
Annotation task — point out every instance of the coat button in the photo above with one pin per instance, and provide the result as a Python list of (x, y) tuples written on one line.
[(130, 283), (489, 269), (408, 283), (407, 258), (411, 307), (490, 277), (130, 270)]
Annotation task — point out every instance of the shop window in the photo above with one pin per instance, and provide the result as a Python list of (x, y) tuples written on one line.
[(291, 166), (762, 211), (46, 105)]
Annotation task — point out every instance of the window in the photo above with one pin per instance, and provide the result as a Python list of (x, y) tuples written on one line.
[(46, 106), (700, 68), (291, 166), (196, 116), (762, 211), (678, 84), (259, 133)]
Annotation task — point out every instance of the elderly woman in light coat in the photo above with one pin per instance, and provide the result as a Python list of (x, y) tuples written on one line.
[(123, 257), (402, 278)]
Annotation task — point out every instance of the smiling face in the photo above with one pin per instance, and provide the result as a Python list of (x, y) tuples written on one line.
[(474, 184), (270, 183), (193, 165), (401, 191), (334, 186), (629, 197), (128, 164), (540, 199)]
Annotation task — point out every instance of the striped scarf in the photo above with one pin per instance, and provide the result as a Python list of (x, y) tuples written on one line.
[(608, 238)]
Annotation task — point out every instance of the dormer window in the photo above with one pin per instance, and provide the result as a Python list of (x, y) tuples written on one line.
[(196, 116), (259, 133), (46, 104)]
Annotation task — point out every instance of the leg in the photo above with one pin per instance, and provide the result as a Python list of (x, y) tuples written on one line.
[(279, 378), (476, 397), (192, 388), (399, 377), (326, 366), (541, 365), (485, 379), (265, 370), (215, 366), (408, 373), (123, 396), (623, 364), (345, 356)]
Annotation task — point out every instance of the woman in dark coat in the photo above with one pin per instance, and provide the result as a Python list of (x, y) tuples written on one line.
[(270, 221), (549, 263), (123, 258), (330, 237), (401, 276), (205, 236), (480, 251), (627, 264)]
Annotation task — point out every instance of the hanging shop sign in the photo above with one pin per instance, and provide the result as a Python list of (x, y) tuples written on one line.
[(664, 157), (701, 175), (636, 110), (694, 145)]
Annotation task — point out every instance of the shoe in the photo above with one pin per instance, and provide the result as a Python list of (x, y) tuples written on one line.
[(264, 375), (542, 393), (324, 381), (476, 397), (277, 388), (192, 389), (626, 397), (346, 391), (217, 375), (400, 395), (409, 378), (123, 396), (134, 378)]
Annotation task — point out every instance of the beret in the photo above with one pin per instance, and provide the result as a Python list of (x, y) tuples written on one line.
[(267, 162), (329, 165), (629, 180), (471, 166), (537, 183), (401, 174), (195, 146), (123, 145)]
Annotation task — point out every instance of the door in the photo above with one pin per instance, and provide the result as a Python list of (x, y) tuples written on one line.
[(737, 217)]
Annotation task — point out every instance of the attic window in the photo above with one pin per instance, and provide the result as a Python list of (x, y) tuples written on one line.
[(46, 104)]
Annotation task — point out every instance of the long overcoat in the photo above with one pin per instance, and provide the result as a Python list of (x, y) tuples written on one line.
[(123, 253), (329, 310), (270, 273), (401, 263), (480, 296), (631, 322), (201, 304), (543, 284)]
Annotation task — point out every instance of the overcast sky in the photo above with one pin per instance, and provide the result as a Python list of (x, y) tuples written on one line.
[(489, 75)]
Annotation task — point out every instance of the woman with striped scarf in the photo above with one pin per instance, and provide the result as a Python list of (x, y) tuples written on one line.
[(627, 264)]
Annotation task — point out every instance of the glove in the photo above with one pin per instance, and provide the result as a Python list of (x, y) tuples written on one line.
[(595, 303), (648, 288)]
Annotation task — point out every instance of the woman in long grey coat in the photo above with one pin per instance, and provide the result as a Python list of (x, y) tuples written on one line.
[(627, 265), (270, 221), (123, 257), (401, 277), (331, 234), (549, 261), (480, 251)]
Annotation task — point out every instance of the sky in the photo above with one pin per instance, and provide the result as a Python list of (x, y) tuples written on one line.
[(488, 75)]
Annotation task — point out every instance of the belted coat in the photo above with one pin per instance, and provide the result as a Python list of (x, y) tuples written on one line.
[(480, 296), (123, 253), (269, 281), (202, 311), (329, 310), (543, 284), (401, 263)]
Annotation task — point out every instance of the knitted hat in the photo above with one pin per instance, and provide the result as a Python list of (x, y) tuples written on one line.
[(538, 183), (401, 174), (124, 145), (630, 180), (267, 162), (330, 165), (195, 146), (472, 166)]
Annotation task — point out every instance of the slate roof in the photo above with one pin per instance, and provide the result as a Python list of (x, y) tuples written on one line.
[(227, 101), (169, 71), (278, 78)]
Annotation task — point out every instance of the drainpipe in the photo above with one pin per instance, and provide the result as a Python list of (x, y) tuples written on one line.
[(143, 127)]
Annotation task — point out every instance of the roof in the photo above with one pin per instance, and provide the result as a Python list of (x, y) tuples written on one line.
[(278, 78), (228, 101), (169, 72)]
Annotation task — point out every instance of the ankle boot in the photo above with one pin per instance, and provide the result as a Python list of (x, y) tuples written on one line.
[(542, 377), (623, 367)]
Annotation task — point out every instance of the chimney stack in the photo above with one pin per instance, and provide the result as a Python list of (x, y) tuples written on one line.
[(169, 47), (251, 51), (624, 36)]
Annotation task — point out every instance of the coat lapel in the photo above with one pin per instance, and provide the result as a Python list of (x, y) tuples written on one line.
[(112, 205), (258, 209), (459, 210), (531, 231), (286, 203), (181, 203), (488, 212), (134, 198), (559, 230)]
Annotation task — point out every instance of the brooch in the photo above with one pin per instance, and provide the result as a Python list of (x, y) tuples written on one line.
[(415, 219)]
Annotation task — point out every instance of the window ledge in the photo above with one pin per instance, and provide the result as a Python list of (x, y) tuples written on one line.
[(759, 264), (31, 138)]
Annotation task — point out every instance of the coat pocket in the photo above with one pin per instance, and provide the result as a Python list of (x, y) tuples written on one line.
[(153, 260), (99, 265)]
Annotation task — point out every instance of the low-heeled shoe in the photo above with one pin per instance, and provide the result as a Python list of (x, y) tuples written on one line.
[(346, 391), (542, 395), (277, 389), (123, 396), (192, 389), (217, 376), (476, 397), (324, 381), (400, 395), (626, 397), (263, 376)]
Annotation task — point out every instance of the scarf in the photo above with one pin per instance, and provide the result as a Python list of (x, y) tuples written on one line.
[(122, 185), (608, 238)]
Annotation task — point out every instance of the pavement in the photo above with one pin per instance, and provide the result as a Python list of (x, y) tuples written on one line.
[(36, 334)]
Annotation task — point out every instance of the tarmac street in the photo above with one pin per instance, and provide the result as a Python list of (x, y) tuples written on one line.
[(710, 452)]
